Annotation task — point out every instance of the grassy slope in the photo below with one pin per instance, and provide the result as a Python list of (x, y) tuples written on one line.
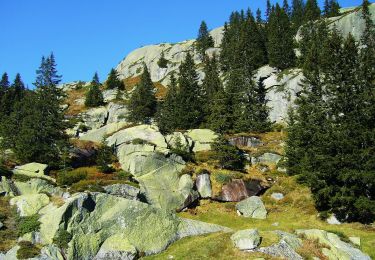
[(295, 211)]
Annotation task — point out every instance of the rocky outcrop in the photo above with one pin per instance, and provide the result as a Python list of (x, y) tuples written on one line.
[(31, 169), (36, 186), (282, 250), (123, 190), (116, 247), (252, 207), (277, 196), (271, 158), (248, 239), (28, 205), (237, 190), (202, 139), (336, 248), (245, 141)]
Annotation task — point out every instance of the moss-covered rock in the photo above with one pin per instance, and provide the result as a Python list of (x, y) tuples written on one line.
[(252, 207), (28, 205), (247, 239)]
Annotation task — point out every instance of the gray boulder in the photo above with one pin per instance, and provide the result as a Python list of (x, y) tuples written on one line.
[(277, 196), (245, 141), (336, 248), (202, 139), (123, 190), (282, 250), (237, 189), (116, 247), (247, 239), (269, 158), (203, 184), (30, 204), (252, 207)]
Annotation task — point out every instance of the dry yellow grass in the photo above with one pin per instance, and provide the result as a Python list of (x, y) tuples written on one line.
[(161, 90)]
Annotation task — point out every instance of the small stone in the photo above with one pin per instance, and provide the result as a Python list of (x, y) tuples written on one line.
[(275, 224), (355, 240), (1, 225), (247, 239), (277, 196), (333, 220)]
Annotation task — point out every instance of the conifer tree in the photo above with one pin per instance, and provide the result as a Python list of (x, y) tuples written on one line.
[(219, 120), (280, 40), (94, 97), (163, 62), (259, 18), (4, 84), (312, 11), (211, 83), (189, 96), (113, 81), (297, 14), (268, 9), (228, 156), (168, 111), (331, 8), (142, 103), (204, 40), (286, 7)]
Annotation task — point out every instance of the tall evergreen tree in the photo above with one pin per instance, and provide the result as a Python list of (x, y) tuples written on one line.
[(331, 8), (142, 104), (94, 97), (286, 7), (297, 14), (113, 81), (268, 9), (259, 18), (4, 84), (312, 11), (204, 40), (280, 40), (219, 120), (189, 97)]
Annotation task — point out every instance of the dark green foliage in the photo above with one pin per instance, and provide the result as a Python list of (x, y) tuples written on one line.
[(27, 250), (286, 7), (62, 238), (297, 15), (104, 158), (183, 151), (113, 81), (4, 86), (28, 224), (94, 97), (204, 40), (228, 156), (331, 134), (312, 11), (163, 62), (69, 178), (219, 120), (280, 39), (268, 9), (142, 104), (331, 8), (5, 172)]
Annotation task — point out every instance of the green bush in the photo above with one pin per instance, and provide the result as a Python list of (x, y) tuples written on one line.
[(27, 250), (4, 172), (139, 141), (223, 178), (21, 178), (62, 239), (28, 224), (123, 175), (69, 178), (104, 158), (88, 185), (228, 156)]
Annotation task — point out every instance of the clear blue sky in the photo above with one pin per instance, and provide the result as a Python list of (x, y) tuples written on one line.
[(92, 35)]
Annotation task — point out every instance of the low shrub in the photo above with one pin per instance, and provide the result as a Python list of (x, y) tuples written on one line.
[(69, 178), (223, 178), (62, 239), (27, 250), (123, 175), (28, 224), (87, 185), (139, 141), (104, 158), (204, 156)]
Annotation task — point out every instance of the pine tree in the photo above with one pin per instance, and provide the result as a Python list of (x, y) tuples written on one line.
[(113, 81), (228, 156), (189, 96), (168, 111), (4, 84), (204, 40), (163, 62), (219, 119), (259, 18), (297, 14), (268, 9), (286, 7), (94, 97), (312, 11), (331, 8), (280, 40), (142, 103)]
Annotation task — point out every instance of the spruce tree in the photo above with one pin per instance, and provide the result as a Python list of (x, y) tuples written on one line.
[(4, 84), (113, 81), (204, 40), (189, 96), (259, 18), (268, 9), (280, 40), (312, 11), (331, 8), (168, 111), (297, 14), (286, 7), (219, 120), (142, 103), (163, 62), (94, 97), (228, 156)]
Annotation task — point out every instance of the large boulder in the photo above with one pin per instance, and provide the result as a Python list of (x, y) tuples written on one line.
[(116, 247), (237, 189), (97, 135), (247, 239), (36, 186), (31, 169), (335, 247), (268, 158), (203, 184), (28, 205), (252, 207), (202, 139), (282, 250)]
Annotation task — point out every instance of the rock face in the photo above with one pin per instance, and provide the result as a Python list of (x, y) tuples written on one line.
[(31, 169), (203, 184), (202, 139), (248, 239), (252, 207), (36, 186), (99, 222), (337, 249), (123, 190), (268, 158), (238, 190), (30, 204), (281, 249)]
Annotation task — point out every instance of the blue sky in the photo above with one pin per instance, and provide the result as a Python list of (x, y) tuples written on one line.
[(92, 35)]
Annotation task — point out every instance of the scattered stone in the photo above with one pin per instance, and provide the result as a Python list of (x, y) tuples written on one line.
[(247, 239), (337, 248), (238, 190), (203, 184), (291, 239), (36, 186), (33, 237), (355, 240), (123, 190), (268, 158), (277, 196), (281, 249), (97, 135), (28, 205), (264, 168), (333, 220), (252, 207)]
